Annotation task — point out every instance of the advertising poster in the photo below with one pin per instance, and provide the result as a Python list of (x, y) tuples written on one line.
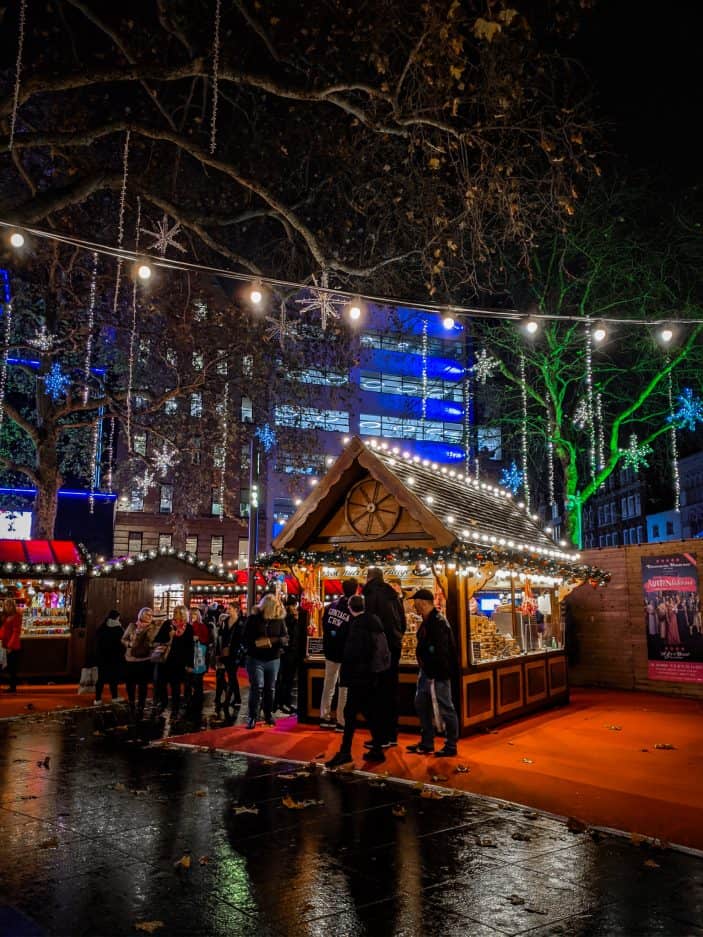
[(672, 618)]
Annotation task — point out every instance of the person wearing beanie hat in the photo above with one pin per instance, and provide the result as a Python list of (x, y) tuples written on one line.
[(366, 656), (437, 657)]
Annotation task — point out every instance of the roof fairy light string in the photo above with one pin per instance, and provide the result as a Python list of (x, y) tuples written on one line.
[(18, 71), (339, 295)]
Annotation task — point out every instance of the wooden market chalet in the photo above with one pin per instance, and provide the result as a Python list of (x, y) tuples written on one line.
[(499, 578)]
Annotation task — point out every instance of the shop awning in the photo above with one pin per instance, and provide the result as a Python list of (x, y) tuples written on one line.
[(40, 556)]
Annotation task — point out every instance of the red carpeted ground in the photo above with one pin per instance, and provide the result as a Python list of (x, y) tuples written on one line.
[(595, 759)]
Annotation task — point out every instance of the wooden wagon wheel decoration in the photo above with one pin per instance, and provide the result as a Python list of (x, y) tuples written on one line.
[(371, 510)]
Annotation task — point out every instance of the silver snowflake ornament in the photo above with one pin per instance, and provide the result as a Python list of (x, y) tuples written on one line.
[(146, 482), (164, 459), (321, 298), (43, 341), (512, 478), (582, 416), (690, 410), (280, 330), (484, 366), (164, 237), (636, 454)]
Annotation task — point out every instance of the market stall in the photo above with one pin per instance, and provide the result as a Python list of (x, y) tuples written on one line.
[(498, 577), (45, 578), (233, 592)]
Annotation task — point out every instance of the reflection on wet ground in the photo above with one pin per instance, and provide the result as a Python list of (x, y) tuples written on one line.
[(100, 834)]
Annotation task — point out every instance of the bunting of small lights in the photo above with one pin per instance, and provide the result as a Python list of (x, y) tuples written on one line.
[(164, 237), (601, 431), (636, 454), (512, 478), (223, 464), (43, 341), (120, 218), (133, 559), (689, 412), (132, 336), (550, 458), (56, 382), (7, 335), (589, 400), (266, 436), (215, 76), (109, 454), (321, 299), (523, 431), (94, 464), (674, 444), (91, 325), (484, 366), (424, 368), (18, 72)]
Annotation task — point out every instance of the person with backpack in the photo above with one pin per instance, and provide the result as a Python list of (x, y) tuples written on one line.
[(437, 657), (366, 658), (139, 639), (335, 627), (385, 602)]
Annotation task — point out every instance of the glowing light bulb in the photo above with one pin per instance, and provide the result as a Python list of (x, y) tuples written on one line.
[(599, 334), (355, 311), (144, 272), (531, 326), (17, 239), (448, 322), (666, 335)]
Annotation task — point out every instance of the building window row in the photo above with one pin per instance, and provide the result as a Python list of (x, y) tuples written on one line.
[(412, 344), (135, 544), (380, 382), (374, 424), (630, 506), (322, 377), (311, 418), (634, 535)]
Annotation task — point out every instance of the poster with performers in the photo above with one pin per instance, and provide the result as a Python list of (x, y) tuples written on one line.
[(672, 618)]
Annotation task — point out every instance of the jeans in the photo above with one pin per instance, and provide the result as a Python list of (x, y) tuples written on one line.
[(423, 707), (262, 685), (331, 680), (362, 698)]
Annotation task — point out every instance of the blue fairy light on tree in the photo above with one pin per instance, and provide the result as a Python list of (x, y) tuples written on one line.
[(689, 412), (56, 383), (266, 436), (512, 478)]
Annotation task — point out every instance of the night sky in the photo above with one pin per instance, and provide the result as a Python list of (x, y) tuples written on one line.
[(646, 62)]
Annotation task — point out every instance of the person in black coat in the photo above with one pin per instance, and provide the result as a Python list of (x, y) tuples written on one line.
[(176, 637), (383, 600), (109, 654), (360, 674), (437, 658), (289, 659), (229, 650), (265, 636)]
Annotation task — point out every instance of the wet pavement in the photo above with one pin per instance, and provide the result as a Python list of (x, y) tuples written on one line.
[(101, 833)]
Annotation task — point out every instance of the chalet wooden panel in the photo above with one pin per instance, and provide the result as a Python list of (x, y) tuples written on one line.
[(558, 683), (477, 698), (315, 683), (535, 681), (509, 689)]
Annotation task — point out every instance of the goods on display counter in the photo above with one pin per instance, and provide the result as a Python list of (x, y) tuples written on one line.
[(498, 577)]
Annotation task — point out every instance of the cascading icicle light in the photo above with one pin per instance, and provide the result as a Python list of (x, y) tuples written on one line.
[(91, 325), (18, 73), (215, 76), (109, 454), (523, 388), (589, 400), (550, 459), (94, 464), (466, 393), (223, 467), (601, 431), (424, 369), (674, 445), (132, 336), (5, 354), (120, 218)]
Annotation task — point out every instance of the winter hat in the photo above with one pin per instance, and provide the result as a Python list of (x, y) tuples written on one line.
[(357, 604)]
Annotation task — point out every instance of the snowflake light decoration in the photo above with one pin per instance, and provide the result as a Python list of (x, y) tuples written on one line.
[(266, 436), (43, 341), (636, 454), (581, 416), (279, 330), (164, 237), (512, 478), (690, 410), (164, 459), (146, 482), (320, 298), (484, 366), (56, 383)]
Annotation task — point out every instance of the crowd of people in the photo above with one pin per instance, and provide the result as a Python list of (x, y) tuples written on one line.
[(172, 656)]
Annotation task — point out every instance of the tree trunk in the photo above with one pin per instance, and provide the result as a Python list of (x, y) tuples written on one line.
[(46, 500)]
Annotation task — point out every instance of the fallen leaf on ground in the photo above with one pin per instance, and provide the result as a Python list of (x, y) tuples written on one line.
[(485, 841), (614, 728), (377, 784), (29, 706), (527, 761), (241, 808), (287, 777), (302, 774), (126, 729), (510, 743), (521, 837), (419, 785), (515, 899), (28, 797), (183, 862), (51, 843), (120, 786), (462, 769), (661, 844), (535, 911), (430, 794), (320, 755), (98, 732), (268, 761), (292, 804), (637, 839), (575, 826), (399, 810), (204, 860), (651, 864), (200, 793), (644, 749), (664, 746), (148, 927), (531, 815), (439, 777)]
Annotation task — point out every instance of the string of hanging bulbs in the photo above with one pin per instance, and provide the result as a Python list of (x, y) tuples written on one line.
[(144, 266)]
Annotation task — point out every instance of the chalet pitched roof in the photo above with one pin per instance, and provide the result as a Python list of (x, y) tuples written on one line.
[(450, 506)]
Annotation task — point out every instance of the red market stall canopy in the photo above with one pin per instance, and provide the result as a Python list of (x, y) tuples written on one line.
[(41, 556)]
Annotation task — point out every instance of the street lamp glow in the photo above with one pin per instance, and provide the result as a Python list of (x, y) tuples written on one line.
[(256, 296), (531, 326), (666, 335), (599, 334), (355, 311), (144, 272), (448, 322), (17, 239)]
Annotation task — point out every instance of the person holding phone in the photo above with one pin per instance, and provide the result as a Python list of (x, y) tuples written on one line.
[(265, 636)]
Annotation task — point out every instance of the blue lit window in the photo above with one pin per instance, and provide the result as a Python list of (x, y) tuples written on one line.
[(383, 383), (373, 424), (166, 499), (326, 378), (411, 343), (310, 418)]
